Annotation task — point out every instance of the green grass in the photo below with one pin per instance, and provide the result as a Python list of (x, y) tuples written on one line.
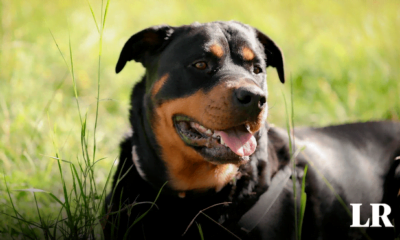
[(343, 58)]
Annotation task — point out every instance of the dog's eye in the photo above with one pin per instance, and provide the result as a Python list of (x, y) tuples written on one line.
[(257, 70), (200, 65)]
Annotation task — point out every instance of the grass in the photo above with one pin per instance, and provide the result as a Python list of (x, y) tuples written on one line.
[(342, 58), (83, 203)]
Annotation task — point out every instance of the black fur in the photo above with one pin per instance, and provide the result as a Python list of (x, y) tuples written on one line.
[(358, 160)]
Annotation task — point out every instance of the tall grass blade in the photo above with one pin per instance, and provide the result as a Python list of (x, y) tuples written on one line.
[(332, 189), (12, 203), (293, 162), (94, 17), (200, 231), (79, 202), (105, 13), (103, 193), (98, 79), (59, 50), (202, 212), (67, 206), (303, 201), (294, 173), (99, 74), (42, 224), (73, 77), (145, 213)]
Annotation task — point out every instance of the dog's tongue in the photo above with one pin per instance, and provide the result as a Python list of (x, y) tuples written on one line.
[(239, 140)]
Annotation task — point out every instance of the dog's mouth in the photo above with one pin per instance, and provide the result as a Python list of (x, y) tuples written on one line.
[(232, 145)]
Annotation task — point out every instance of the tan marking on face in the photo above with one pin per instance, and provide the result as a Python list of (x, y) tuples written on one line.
[(248, 54), (157, 85), (187, 169), (217, 50)]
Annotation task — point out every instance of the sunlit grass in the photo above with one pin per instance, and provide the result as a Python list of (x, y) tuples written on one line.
[(343, 58)]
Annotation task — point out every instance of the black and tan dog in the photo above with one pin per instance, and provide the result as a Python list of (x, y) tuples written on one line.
[(198, 124)]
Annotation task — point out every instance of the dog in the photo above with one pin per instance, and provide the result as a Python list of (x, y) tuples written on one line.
[(201, 160)]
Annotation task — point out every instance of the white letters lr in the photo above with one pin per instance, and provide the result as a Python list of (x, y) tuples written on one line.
[(375, 215)]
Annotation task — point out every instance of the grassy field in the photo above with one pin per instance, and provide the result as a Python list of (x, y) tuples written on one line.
[(343, 58)]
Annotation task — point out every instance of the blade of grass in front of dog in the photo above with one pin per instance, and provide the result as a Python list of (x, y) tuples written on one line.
[(202, 212), (303, 200), (200, 231), (100, 209), (293, 162), (119, 179), (221, 226), (145, 213), (338, 197), (102, 196), (118, 214), (294, 178)]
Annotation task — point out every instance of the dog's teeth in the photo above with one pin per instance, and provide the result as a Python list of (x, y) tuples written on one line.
[(194, 125), (183, 126), (222, 142), (202, 128), (248, 127), (209, 132)]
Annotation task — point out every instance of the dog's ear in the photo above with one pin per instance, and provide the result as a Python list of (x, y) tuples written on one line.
[(273, 53), (144, 44)]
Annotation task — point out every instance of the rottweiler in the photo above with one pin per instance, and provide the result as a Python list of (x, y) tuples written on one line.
[(202, 162)]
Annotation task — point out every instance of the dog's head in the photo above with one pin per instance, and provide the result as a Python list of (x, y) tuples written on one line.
[(206, 96)]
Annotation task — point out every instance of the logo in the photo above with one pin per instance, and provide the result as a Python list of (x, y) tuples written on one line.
[(375, 215)]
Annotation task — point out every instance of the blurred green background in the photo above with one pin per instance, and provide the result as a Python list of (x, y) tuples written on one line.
[(343, 58)]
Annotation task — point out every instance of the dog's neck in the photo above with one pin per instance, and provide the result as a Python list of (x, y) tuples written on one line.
[(149, 165), (147, 157)]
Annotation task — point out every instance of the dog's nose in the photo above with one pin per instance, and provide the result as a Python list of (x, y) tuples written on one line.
[(251, 98)]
